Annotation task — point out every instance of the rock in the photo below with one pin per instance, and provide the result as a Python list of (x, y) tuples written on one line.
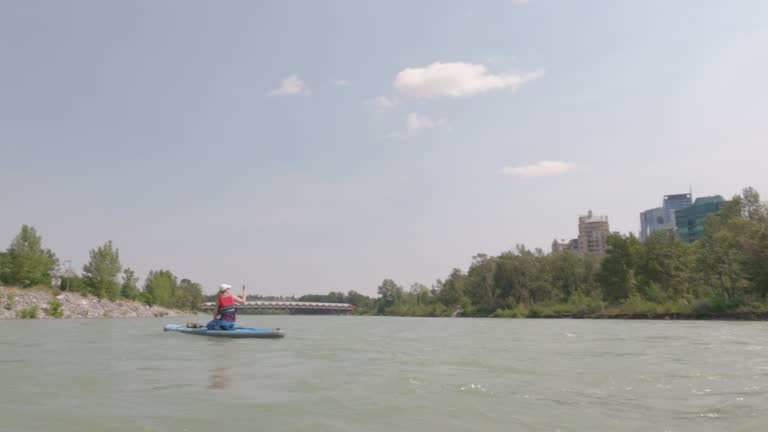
[(75, 305)]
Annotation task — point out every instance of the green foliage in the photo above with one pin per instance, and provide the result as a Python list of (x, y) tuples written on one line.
[(31, 312), (726, 272), (389, 293), (146, 298), (129, 288), (74, 284), (10, 301), (100, 274), (188, 295), (161, 288), (451, 292), (617, 275), (26, 263), (55, 309)]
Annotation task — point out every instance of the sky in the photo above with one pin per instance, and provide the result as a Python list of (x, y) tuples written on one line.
[(307, 147)]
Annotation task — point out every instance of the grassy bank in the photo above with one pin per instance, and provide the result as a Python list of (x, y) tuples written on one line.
[(639, 308), (594, 307)]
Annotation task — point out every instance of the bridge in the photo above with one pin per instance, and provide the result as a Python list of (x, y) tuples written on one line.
[(283, 305)]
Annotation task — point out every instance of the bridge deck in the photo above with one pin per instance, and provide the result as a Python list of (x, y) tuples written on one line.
[(279, 305)]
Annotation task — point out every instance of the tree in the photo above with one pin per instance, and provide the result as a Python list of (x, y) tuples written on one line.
[(452, 291), (617, 274), (719, 260), (25, 262), (422, 294), (159, 288), (188, 295), (663, 269), (129, 288), (390, 294), (481, 286), (101, 272), (355, 298)]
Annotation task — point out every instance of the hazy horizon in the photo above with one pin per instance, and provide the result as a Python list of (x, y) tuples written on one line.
[(313, 147)]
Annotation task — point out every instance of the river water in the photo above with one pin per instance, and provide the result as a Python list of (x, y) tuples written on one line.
[(346, 373)]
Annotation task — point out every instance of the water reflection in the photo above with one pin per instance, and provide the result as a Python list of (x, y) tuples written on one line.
[(221, 378)]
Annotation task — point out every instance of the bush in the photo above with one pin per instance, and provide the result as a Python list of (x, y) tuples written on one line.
[(55, 309), (31, 312), (10, 302), (147, 298)]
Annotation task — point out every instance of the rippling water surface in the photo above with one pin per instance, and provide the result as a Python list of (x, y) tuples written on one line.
[(386, 374)]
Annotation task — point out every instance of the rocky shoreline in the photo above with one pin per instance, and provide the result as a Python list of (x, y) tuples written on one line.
[(19, 303)]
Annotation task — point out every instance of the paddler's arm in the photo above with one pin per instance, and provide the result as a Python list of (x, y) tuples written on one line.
[(241, 300)]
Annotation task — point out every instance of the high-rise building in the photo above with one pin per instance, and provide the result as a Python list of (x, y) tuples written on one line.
[(690, 220), (657, 219), (677, 201), (593, 233), (663, 218)]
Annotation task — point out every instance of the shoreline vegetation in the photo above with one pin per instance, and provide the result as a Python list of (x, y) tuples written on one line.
[(724, 275), (33, 285), (46, 303)]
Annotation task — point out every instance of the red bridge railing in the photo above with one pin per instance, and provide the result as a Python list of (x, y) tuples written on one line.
[(280, 305)]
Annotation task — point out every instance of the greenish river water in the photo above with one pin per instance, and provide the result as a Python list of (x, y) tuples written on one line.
[(334, 373)]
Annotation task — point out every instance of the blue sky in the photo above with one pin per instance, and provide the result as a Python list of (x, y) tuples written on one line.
[(302, 147)]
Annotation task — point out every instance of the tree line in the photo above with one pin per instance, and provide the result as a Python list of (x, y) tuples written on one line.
[(724, 272), (26, 263)]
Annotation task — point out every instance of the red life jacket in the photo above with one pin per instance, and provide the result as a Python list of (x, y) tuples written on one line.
[(227, 300)]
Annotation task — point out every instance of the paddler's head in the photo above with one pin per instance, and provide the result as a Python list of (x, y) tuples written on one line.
[(224, 289)]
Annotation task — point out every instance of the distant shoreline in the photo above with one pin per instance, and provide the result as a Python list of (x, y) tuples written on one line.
[(739, 316)]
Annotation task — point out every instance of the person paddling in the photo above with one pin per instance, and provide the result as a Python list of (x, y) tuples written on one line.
[(224, 314)]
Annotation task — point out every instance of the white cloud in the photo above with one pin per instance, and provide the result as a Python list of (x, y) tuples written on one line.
[(290, 86), (415, 123), (541, 169), (341, 83), (381, 103), (456, 79)]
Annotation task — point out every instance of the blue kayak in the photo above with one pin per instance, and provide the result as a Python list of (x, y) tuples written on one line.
[(237, 332)]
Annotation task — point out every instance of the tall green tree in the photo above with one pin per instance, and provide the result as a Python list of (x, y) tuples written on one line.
[(25, 262), (389, 293), (159, 288), (617, 275), (129, 288), (481, 283), (355, 298), (663, 267), (718, 258), (188, 295), (452, 292), (101, 272)]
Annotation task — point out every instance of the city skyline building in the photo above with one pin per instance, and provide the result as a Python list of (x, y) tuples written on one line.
[(677, 201), (563, 245), (663, 218), (690, 220), (592, 236), (593, 233)]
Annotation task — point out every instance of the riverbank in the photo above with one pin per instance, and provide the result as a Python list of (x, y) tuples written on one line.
[(638, 308), (594, 307), (46, 304)]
